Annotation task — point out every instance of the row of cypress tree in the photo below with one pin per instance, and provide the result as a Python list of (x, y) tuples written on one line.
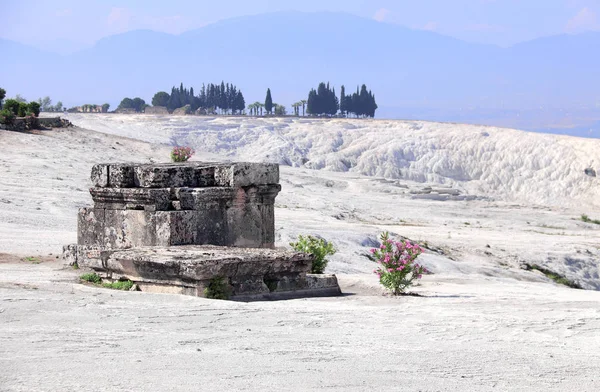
[(229, 100), (323, 101), (225, 97)]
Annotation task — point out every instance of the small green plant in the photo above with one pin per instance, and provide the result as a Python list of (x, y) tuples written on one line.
[(91, 277), (218, 288), (317, 247), (75, 266), (397, 269), (271, 284), (124, 285), (587, 219), (32, 259), (181, 154)]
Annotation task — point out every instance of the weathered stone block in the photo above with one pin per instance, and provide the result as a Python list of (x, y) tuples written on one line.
[(245, 174), (251, 273), (243, 217), (120, 229), (132, 198), (191, 175), (90, 226)]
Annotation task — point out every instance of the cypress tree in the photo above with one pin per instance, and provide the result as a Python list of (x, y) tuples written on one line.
[(268, 101), (343, 104)]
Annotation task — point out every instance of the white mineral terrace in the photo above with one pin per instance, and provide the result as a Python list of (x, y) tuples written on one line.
[(485, 200)]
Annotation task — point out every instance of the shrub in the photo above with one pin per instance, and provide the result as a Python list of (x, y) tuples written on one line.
[(12, 105), (318, 247), (91, 277), (397, 268), (23, 109), (34, 107), (6, 117), (124, 285), (181, 154), (218, 288)]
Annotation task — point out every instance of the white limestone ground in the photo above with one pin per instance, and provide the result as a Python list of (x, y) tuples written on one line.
[(483, 323)]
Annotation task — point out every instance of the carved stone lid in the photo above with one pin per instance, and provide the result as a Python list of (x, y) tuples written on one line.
[(186, 174)]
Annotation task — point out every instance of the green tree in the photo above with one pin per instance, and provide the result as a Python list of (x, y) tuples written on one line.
[(323, 100), (174, 100), (304, 102), (126, 103), (58, 107), (105, 108), (161, 98), (138, 104), (34, 107), (268, 102), (343, 101), (46, 104), (23, 109), (13, 106), (296, 107), (2, 96), (19, 98), (279, 110)]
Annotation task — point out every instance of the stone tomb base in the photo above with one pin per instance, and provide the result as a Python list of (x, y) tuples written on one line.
[(248, 273)]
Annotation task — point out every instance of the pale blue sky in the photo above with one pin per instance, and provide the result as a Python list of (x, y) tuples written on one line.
[(501, 22)]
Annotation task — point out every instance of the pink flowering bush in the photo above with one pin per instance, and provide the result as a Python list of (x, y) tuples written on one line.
[(397, 268), (181, 154)]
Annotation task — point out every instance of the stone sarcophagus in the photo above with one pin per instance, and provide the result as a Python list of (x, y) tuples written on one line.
[(181, 204), (177, 227)]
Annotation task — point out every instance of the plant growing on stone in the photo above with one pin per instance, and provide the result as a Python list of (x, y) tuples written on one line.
[(181, 154), (317, 247), (124, 285), (218, 288), (91, 277), (397, 269), (6, 117)]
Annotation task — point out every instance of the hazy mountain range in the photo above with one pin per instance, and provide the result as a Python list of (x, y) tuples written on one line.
[(552, 81)]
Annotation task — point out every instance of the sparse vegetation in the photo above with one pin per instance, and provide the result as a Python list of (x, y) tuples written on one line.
[(556, 277), (587, 219), (94, 278), (318, 247), (33, 259), (124, 285), (218, 288), (91, 278)]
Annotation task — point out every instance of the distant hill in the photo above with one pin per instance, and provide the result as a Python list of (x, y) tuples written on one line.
[(290, 52)]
